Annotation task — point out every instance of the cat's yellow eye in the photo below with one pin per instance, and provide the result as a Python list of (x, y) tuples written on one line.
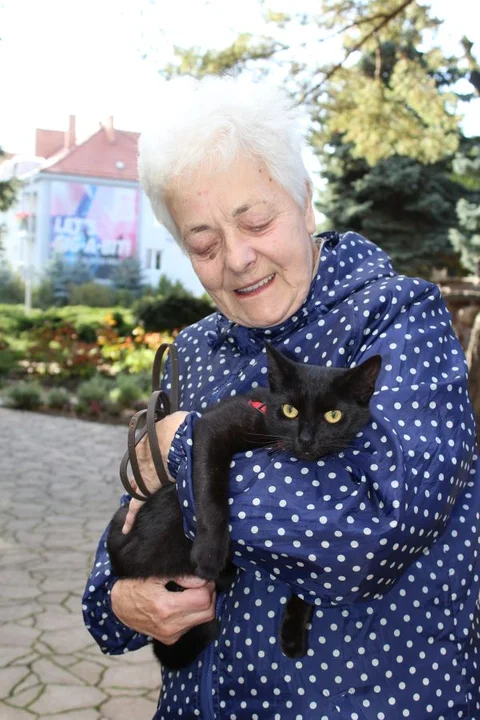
[(333, 416), (289, 411)]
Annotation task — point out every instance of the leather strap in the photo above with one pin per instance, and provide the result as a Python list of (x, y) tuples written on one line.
[(159, 406)]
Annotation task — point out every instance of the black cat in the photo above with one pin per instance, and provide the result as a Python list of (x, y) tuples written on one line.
[(307, 411)]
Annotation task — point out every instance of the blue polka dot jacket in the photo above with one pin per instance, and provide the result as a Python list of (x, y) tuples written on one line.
[(382, 538)]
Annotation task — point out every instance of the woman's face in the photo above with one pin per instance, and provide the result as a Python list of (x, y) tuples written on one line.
[(249, 242)]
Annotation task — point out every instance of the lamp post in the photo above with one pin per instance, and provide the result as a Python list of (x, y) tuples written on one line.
[(30, 238), (27, 233), (25, 168)]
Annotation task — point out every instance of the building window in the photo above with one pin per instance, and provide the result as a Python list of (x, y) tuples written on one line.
[(153, 259)]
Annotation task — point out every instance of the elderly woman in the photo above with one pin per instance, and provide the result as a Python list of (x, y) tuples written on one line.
[(383, 537)]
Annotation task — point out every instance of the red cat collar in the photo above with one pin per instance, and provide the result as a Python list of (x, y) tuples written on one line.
[(261, 407)]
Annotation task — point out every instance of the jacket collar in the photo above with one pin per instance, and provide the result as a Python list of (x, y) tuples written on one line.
[(346, 263)]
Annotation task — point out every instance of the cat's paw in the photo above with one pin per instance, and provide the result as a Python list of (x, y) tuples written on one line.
[(293, 647), (208, 558)]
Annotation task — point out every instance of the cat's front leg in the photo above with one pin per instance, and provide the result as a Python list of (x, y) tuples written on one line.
[(210, 551), (211, 546), (227, 428)]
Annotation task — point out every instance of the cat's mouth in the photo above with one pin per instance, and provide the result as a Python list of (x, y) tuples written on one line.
[(307, 455)]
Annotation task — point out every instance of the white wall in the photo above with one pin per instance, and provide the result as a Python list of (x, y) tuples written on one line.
[(151, 236), (174, 263)]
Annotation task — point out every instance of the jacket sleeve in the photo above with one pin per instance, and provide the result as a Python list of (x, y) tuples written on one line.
[(113, 637), (346, 527)]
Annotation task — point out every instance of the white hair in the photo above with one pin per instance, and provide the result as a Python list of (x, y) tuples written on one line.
[(211, 124)]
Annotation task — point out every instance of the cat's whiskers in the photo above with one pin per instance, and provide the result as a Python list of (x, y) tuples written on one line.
[(261, 436)]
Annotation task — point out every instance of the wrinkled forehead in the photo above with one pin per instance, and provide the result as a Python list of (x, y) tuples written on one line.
[(232, 190)]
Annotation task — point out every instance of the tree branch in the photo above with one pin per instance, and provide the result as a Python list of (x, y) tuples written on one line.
[(386, 19)]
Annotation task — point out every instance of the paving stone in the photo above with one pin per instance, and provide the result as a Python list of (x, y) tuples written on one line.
[(125, 708), (65, 660), (54, 618), (9, 677), (121, 692), (54, 598), (90, 672), (47, 545), (25, 659), (9, 654), (15, 636), (124, 676), (67, 641), (73, 604), (18, 611), (85, 714), (26, 590), (12, 713), (24, 698), (63, 698), (49, 672), (29, 681), (27, 622)]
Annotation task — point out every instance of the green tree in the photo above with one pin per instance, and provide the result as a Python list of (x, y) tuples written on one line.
[(167, 287), (404, 111), (466, 238), (80, 271), (401, 204), (58, 274), (12, 287), (8, 190), (127, 276)]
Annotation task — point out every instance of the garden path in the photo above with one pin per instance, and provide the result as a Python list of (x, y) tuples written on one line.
[(59, 485)]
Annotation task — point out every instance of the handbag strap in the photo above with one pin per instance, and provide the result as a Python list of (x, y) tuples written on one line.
[(159, 406)]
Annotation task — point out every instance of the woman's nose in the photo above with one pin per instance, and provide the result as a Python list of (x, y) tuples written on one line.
[(240, 254)]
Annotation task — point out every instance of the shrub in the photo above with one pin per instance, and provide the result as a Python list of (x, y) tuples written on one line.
[(25, 395), (93, 396), (92, 294), (58, 398), (171, 313), (12, 287), (8, 357), (127, 392), (43, 295)]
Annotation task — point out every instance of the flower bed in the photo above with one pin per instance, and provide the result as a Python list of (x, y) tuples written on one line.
[(89, 362)]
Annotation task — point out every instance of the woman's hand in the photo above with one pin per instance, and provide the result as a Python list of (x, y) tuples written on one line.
[(166, 430), (149, 608)]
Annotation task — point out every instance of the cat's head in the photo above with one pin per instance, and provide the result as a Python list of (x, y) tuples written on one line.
[(315, 411)]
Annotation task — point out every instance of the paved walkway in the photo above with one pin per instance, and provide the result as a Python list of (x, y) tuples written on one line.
[(58, 487)]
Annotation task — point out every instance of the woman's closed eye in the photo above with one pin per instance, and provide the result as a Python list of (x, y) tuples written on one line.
[(258, 228), (206, 253)]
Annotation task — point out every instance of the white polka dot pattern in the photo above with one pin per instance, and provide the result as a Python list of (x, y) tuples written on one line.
[(382, 537)]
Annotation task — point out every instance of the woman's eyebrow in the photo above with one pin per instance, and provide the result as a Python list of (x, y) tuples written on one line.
[(247, 206), (197, 229)]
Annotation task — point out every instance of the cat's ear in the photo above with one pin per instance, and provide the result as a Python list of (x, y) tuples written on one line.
[(281, 370), (359, 382)]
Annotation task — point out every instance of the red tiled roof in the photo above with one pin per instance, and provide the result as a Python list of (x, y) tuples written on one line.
[(99, 156), (48, 142)]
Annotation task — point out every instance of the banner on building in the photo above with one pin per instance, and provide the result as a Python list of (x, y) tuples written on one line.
[(97, 223)]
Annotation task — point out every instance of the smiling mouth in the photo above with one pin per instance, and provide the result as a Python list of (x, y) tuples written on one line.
[(260, 285)]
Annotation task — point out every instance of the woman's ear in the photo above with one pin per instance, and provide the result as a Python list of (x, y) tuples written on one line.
[(309, 214)]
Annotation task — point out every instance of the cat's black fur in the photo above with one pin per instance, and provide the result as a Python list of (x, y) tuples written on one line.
[(157, 546)]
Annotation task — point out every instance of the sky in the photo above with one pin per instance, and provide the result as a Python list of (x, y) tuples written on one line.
[(97, 58)]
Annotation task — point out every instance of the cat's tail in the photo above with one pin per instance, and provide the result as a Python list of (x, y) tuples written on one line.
[(186, 650)]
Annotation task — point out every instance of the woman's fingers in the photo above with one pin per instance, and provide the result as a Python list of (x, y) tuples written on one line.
[(148, 607), (133, 508), (166, 430)]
